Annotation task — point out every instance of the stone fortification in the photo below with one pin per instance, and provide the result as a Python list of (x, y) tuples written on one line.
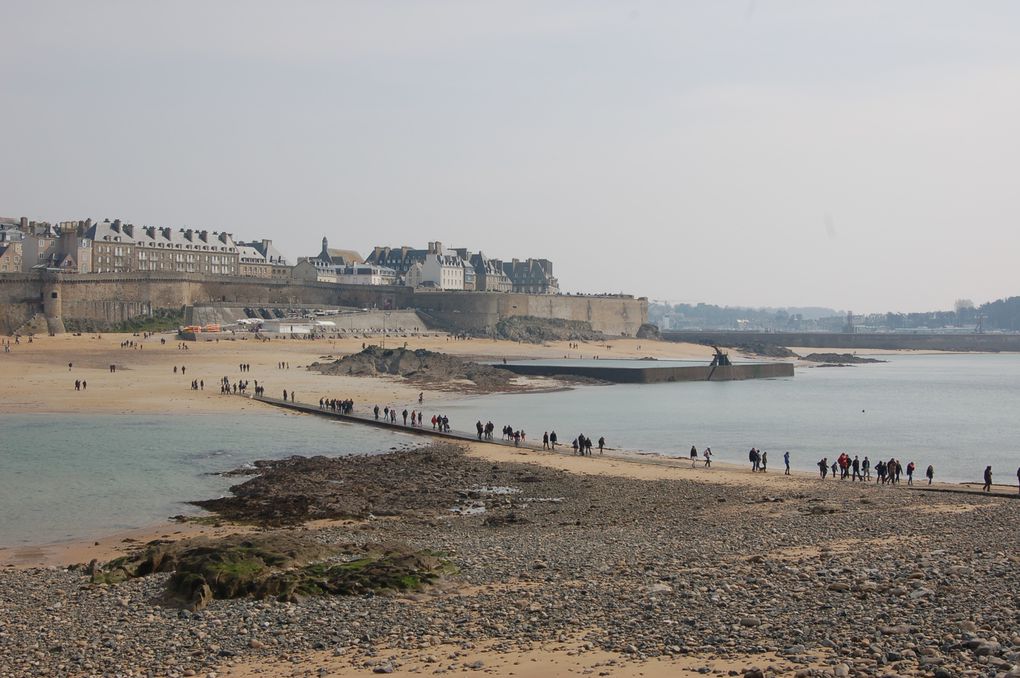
[(115, 298)]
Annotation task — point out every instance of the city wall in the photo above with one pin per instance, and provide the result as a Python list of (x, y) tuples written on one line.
[(479, 311), (853, 341), (115, 298)]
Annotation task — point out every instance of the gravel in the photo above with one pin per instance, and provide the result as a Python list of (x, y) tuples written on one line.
[(888, 583)]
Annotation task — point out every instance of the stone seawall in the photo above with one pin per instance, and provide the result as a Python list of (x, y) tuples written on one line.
[(480, 311), (114, 298), (657, 375), (886, 341)]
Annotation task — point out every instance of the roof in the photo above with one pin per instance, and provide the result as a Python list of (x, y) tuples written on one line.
[(344, 256), (250, 255)]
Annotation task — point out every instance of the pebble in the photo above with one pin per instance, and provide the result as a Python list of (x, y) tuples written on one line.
[(641, 570)]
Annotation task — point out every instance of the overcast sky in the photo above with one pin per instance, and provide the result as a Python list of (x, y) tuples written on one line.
[(860, 155)]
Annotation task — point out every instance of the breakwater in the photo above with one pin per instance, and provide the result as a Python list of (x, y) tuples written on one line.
[(872, 340), (655, 374)]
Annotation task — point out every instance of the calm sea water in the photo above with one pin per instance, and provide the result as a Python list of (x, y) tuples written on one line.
[(957, 412), (81, 476)]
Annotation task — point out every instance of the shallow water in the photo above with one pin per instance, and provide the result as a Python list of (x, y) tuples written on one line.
[(76, 476), (80, 476), (957, 412)]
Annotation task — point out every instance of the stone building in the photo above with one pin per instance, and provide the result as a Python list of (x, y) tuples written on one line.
[(10, 249), (251, 263), (489, 274), (442, 269), (400, 259), (124, 248), (431, 267), (532, 276), (279, 267), (306, 270), (366, 274)]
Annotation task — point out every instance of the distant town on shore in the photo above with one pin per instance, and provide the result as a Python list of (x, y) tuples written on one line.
[(116, 247)]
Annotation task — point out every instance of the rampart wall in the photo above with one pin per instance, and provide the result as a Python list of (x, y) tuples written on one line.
[(478, 311), (114, 298)]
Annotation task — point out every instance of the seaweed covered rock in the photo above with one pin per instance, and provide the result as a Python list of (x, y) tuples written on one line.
[(425, 367), (274, 565)]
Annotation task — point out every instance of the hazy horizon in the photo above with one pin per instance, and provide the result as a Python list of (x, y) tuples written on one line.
[(858, 156)]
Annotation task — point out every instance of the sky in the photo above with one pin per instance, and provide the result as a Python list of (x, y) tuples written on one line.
[(861, 155)]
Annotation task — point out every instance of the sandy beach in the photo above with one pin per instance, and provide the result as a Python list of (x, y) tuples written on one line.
[(34, 377), (622, 565)]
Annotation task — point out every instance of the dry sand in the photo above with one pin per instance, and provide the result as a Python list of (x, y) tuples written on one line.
[(543, 660), (34, 377)]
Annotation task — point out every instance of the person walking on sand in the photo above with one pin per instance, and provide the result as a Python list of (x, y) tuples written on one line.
[(930, 473), (823, 467), (856, 466), (988, 479), (910, 473), (694, 455), (553, 440), (835, 465), (708, 457), (786, 460), (866, 468), (1018, 478), (602, 443), (764, 463)]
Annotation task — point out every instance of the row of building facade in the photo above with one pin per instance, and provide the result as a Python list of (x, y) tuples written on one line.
[(434, 267), (117, 247)]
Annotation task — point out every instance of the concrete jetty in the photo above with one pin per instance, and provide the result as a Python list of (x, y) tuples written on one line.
[(399, 427), (651, 373)]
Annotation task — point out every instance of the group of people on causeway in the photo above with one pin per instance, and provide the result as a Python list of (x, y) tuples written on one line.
[(886, 472), (345, 406), (847, 468)]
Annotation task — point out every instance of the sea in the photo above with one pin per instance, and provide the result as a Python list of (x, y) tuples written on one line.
[(65, 477)]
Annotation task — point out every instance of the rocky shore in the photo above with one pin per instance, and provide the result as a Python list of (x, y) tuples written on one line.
[(427, 369), (813, 578)]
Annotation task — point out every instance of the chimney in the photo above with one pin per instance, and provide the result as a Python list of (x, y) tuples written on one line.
[(165, 232), (129, 229), (203, 235), (189, 234)]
